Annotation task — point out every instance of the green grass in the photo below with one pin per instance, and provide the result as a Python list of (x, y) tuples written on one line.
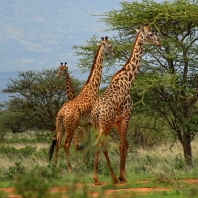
[(24, 165)]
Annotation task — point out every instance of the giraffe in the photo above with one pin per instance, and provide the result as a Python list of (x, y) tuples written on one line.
[(77, 111), (113, 107), (70, 94), (63, 71)]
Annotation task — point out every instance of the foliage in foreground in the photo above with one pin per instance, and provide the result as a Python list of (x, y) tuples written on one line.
[(26, 167)]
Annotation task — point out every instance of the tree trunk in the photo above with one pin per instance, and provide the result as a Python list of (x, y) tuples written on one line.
[(188, 153)]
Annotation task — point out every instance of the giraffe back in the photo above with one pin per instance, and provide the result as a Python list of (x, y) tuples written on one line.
[(116, 102)]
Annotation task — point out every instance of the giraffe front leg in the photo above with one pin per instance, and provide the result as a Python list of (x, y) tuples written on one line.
[(95, 174), (121, 127), (123, 152)]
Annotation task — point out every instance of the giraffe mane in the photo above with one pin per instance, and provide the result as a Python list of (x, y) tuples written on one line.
[(123, 68), (92, 68)]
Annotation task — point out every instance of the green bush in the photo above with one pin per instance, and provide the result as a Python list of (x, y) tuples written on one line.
[(32, 184), (14, 170), (26, 151)]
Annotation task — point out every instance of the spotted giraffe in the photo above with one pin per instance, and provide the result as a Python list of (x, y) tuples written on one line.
[(63, 71), (77, 111), (113, 107), (79, 134)]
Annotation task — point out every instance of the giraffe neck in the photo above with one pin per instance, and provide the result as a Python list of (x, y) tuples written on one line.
[(93, 82), (129, 70), (70, 93)]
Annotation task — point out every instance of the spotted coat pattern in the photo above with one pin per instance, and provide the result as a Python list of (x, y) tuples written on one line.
[(113, 107), (77, 111), (79, 135)]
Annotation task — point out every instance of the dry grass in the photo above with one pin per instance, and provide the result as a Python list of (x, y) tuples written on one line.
[(140, 161)]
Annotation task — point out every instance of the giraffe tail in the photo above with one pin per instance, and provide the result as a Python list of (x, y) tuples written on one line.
[(51, 149)]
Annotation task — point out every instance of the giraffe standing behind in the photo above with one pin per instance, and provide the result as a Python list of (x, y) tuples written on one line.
[(113, 107), (77, 111), (63, 71), (70, 94)]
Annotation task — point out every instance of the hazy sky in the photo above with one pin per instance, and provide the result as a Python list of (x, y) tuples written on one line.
[(39, 34), (35, 34)]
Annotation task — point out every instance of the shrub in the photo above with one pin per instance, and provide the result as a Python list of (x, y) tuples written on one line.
[(32, 184), (14, 170)]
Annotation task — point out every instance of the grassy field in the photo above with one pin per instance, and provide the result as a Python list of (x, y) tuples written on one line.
[(25, 166)]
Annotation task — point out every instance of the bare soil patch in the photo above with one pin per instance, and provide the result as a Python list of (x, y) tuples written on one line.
[(10, 192), (191, 181)]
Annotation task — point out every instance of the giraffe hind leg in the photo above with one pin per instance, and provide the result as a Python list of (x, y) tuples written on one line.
[(67, 144), (81, 134), (60, 132)]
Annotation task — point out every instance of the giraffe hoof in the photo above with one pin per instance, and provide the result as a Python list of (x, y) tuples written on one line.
[(115, 181), (97, 183), (122, 180), (69, 170)]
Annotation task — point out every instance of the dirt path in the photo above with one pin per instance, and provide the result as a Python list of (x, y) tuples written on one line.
[(10, 192)]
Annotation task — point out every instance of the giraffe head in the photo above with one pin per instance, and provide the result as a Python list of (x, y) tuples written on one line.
[(148, 35), (62, 69), (107, 46)]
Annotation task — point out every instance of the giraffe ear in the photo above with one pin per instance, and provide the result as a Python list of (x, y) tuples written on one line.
[(137, 30), (98, 44)]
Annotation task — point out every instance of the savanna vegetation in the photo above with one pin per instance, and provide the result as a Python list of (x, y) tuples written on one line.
[(164, 123), (25, 166), (35, 100)]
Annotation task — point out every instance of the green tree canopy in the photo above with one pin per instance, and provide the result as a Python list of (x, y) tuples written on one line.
[(37, 97), (168, 79)]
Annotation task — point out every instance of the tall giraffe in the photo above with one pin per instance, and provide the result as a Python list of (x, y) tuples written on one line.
[(77, 111), (70, 94), (113, 107)]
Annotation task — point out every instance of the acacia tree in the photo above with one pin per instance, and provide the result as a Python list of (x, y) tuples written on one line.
[(37, 97), (168, 75)]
